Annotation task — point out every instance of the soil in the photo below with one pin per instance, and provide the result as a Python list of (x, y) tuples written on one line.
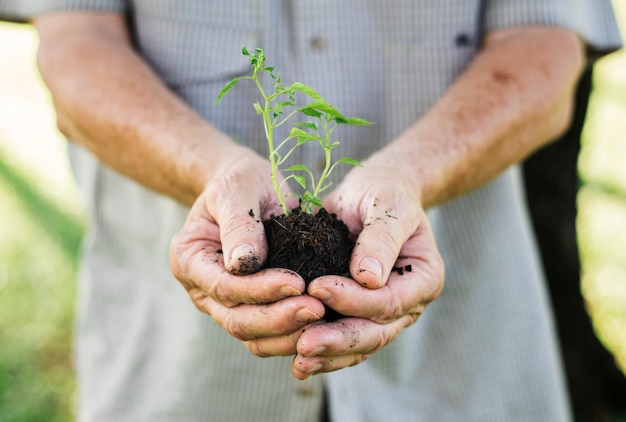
[(312, 245)]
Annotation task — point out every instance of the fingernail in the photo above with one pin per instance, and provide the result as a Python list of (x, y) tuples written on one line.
[(318, 351), (371, 265), (243, 260), (316, 368), (322, 294), (288, 291), (242, 251), (306, 315)]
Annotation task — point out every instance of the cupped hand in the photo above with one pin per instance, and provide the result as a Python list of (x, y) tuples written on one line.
[(218, 255), (396, 270)]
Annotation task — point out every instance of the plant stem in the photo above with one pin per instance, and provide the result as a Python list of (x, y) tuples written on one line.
[(327, 158), (273, 113), (269, 134)]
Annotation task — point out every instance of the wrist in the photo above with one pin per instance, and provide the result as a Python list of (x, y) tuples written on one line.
[(209, 153), (395, 165)]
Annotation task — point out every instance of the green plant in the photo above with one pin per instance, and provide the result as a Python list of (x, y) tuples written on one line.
[(277, 109)]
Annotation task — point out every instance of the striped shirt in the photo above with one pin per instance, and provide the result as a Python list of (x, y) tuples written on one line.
[(484, 351)]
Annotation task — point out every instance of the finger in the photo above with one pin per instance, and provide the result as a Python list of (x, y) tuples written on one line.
[(199, 264), (276, 346), (387, 224), (416, 279), (329, 347), (241, 230), (412, 285), (235, 302), (241, 221), (302, 367), (265, 286), (250, 322)]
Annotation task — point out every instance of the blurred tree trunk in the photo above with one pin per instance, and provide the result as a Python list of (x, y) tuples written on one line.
[(597, 386)]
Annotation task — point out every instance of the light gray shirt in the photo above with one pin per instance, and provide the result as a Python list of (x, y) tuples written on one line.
[(484, 351)]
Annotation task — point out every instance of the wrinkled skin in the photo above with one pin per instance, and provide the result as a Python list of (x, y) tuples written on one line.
[(382, 208), (267, 309)]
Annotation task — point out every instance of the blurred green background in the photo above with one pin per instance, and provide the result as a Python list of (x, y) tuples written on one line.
[(41, 224)]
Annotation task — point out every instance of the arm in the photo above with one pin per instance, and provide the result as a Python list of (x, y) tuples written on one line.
[(514, 97), (110, 101)]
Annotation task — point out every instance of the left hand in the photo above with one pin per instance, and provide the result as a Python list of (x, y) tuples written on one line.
[(396, 271)]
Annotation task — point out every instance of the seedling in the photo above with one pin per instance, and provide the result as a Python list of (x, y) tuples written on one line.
[(280, 107)]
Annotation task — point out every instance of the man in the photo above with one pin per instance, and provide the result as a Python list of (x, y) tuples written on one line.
[(459, 92)]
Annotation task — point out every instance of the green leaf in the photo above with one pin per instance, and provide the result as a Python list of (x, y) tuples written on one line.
[(245, 51), (310, 112), (355, 121), (227, 88), (308, 199), (302, 134), (322, 108), (307, 90), (286, 104), (297, 167), (302, 141), (350, 161), (258, 108), (300, 179), (309, 125)]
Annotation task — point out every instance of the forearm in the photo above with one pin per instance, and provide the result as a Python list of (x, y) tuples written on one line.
[(515, 97), (110, 101)]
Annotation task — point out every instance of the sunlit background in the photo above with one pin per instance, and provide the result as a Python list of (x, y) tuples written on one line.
[(41, 223)]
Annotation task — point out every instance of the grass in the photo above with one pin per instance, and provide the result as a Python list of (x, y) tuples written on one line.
[(41, 228), (36, 296), (42, 224), (601, 221)]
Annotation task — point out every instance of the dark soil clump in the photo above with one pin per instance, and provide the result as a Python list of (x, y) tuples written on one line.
[(312, 245)]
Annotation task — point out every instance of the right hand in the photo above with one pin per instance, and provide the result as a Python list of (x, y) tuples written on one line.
[(219, 252)]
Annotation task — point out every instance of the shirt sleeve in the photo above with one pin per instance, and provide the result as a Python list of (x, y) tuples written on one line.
[(593, 20), (24, 10)]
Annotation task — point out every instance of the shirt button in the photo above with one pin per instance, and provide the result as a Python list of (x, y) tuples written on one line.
[(463, 40), (318, 43), (305, 390), (321, 163)]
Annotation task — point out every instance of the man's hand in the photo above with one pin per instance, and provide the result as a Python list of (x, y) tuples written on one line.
[(513, 98), (218, 254), (396, 271)]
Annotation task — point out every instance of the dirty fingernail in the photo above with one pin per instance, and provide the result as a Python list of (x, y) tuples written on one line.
[(321, 294), (316, 368), (319, 351), (241, 251), (306, 315), (371, 265), (243, 260), (288, 291)]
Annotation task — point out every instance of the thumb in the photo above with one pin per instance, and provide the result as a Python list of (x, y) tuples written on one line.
[(385, 231), (239, 202), (243, 239), (242, 232), (237, 213)]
